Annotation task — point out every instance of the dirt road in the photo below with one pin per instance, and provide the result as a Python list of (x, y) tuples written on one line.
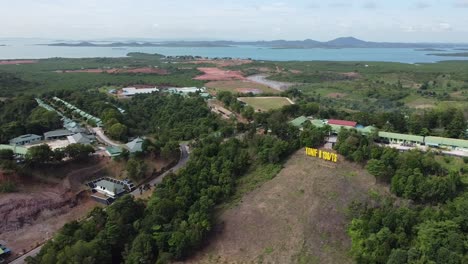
[(103, 138), (184, 157)]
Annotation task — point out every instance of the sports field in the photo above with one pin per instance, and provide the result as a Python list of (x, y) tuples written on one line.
[(266, 103)]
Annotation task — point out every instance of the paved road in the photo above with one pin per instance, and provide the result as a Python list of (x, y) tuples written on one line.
[(31, 253), (103, 138), (184, 157), (262, 79)]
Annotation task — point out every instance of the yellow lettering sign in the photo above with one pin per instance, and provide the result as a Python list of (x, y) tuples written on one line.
[(325, 155)]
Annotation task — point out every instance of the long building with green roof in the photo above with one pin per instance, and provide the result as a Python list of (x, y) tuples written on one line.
[(446, 142), (401, 138)]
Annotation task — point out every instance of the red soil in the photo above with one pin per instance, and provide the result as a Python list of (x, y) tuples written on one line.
[(13, 62), (215, 74)]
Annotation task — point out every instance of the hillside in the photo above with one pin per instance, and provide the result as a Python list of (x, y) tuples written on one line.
[(298, 217)]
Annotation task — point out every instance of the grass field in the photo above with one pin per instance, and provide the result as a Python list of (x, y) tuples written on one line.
[(265, 103), (298, 216), (232, 86)]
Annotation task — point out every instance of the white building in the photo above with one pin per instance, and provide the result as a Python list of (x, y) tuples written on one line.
[(131, 91), (108, 188)]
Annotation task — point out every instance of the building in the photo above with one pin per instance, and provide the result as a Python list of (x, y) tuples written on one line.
[(186, 90), (131, 91), (451, 143), (110, 188), (114, 151), (57, 134), (397, 138), (25, 139), (79, 138), (135, 145), (341, 123), (299, 122), (17, 150)]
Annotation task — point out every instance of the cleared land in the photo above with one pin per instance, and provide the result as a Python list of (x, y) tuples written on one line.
[(239, 86), (297, 217), (14, 62), (215, 74), (266, 103)]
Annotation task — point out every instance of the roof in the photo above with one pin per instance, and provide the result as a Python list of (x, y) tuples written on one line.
[(16, 149), (341, 122), (111, 186), (446, 141), (114, 151), (318, 122), (366, 130), (298, 122), (26, 137), (135, 145), (79, 138), (399, 136), (58, 133)]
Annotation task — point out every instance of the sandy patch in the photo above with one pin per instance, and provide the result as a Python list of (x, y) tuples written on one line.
[(215, 74)]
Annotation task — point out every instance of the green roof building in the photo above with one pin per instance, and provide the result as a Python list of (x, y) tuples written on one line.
[(401, 138), (135, 145), (446, 142), (114, 151), (299, 122)]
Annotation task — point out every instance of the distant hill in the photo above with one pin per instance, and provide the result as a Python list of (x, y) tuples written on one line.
[(342, 42)]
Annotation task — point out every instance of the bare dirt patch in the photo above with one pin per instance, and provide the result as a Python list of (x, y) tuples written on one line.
[(297, 217), (14, 62), (215, 74), (351, 75)]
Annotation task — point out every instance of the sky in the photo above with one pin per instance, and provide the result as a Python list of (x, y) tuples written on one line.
[(372, 20)]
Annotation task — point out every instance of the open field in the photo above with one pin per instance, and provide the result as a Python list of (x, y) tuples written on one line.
[(238, 86), (297, 217), (266, 103), (147, 70), (215, 74)]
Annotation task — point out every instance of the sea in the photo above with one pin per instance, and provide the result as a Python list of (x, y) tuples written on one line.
[(29, 49)]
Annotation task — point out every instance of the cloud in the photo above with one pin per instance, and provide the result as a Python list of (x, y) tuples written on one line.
[(421, 5), (461, 4), (370, 5), (340, 4), (443, 27)]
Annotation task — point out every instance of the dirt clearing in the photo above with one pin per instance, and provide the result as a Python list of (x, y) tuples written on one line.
[(15, 62), (215, 74), (297, 217)]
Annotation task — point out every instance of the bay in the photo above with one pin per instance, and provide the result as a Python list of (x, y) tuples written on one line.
[(28, 49)]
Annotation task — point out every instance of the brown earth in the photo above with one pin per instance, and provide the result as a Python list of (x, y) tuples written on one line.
[(215, 74), (14, 62), (297, 217)]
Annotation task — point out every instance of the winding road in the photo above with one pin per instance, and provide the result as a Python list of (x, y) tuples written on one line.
[(184, 157)]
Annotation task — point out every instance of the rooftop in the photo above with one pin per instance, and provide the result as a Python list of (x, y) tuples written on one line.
[(26, 137), (399, 136), (298, 122), (342, 122), (114, 187), (447, 141), (135, 145), (58, 133)]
